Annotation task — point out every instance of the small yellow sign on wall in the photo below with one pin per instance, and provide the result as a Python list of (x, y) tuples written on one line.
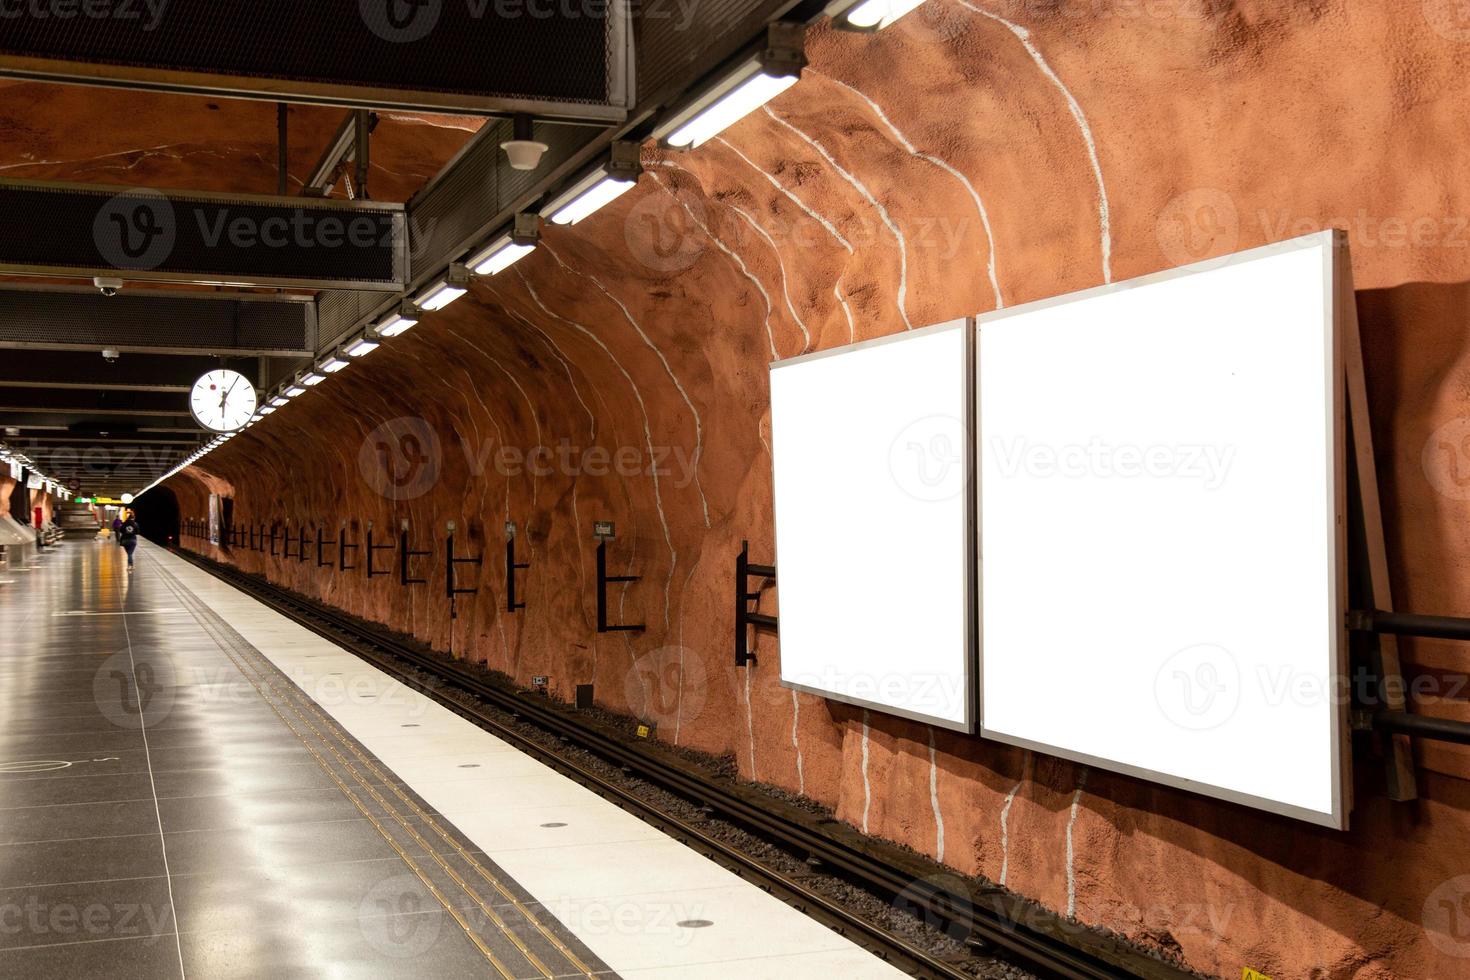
[(1246, 973)]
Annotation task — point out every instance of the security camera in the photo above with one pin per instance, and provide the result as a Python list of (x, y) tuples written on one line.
[(107, 286), (110, 355)]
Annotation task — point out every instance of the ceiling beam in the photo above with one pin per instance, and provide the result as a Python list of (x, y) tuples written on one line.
[(175, 322), (145, 235)]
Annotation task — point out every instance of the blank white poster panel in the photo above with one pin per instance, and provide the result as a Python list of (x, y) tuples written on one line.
[(1160, 501), (874, 533)]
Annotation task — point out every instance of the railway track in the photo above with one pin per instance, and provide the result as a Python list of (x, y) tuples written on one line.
[(1001, 929)]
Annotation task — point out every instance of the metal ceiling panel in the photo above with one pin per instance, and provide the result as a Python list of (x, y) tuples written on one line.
[(214, 239), (477, 56), (177, 322)]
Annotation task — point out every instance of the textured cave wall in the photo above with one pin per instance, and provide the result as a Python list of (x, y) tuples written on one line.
[(115, 136), (973, 155)]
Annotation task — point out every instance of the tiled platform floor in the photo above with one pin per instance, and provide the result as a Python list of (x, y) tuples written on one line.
[(193, 785)]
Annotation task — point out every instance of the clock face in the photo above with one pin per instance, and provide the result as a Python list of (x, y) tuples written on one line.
[(222, 400)]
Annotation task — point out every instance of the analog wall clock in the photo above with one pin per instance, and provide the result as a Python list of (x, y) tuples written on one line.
[(222, 400)]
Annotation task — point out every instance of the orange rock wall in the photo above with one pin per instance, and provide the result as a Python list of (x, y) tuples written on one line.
[(975, 154)]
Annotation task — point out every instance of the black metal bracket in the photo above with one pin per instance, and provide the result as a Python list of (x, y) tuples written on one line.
[(273, 540), (301, 545), (405, 554), (288, 537), (258, 542), (745, 616), (321, 560), (450, 564), (603, 580), (511, 567), (373, 549), (342, 548)]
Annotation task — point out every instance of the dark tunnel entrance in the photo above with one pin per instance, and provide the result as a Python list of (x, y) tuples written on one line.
[(158, 516)]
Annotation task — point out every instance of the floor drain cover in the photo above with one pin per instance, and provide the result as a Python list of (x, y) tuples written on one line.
[(695, 923), (553, 824)]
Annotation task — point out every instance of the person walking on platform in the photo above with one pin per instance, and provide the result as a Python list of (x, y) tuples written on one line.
[(127, 535)]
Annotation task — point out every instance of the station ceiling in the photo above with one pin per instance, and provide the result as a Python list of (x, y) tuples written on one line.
[(261, 193)]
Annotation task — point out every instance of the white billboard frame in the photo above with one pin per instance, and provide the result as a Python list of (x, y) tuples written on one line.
[(1339, 317), (969, 699)]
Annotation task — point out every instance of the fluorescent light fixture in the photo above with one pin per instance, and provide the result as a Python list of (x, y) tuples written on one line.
[(278, 401), (363, 346), (748, 96), (312, 378), (753, 82), (292, 389), (334, 363), (874, 15), (399, 321), (509, 247), (456, 283), (587, 196), (266, 410), (607, 182)]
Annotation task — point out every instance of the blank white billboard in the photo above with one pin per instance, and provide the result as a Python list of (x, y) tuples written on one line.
[(874, 533), (1160, 547)]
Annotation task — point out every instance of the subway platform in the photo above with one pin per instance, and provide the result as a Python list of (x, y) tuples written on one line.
[(193, 785)]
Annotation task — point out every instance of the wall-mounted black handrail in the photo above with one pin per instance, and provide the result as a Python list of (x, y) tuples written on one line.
[(1423, 726), (603, 580), (373, 549), (511, 567), (746, 617), (342, 548), (321, 542), (406, 554), (450, 564), (1409, 624)]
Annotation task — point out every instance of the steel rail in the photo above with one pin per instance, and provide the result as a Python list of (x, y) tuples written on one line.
[(990, 930)]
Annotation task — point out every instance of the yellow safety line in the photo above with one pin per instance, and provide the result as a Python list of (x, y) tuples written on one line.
[(433, 889), (491, 879)]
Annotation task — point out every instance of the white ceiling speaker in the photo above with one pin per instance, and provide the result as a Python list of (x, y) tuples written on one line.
[(523, 151)]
